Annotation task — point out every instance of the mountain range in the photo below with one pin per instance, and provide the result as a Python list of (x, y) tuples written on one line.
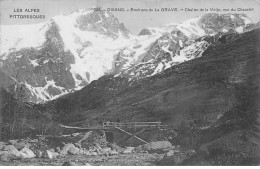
[(200, 77), (73, 50)]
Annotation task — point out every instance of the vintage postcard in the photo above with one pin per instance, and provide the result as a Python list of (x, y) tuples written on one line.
[(129, 83)]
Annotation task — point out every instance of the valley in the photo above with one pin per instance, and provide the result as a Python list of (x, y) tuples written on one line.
[(199, 77)]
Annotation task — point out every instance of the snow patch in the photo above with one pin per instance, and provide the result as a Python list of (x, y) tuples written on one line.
[(106, 15), (246, 20), (16, 37), (42, 93), (224, 30), (158, 69), (34, 62), (239, 29), (191, 27), (180, 43), (232, 17)]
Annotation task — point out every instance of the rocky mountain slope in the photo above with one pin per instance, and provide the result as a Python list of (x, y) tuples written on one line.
[(179, 43), (216, 96), (216, 73), (68, 52), (40, 54)]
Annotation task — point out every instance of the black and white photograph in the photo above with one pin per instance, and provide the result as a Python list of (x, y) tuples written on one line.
[(129, 83)]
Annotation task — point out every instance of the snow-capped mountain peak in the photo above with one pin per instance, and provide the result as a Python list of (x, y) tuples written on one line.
[(211, 24), (70, 51)]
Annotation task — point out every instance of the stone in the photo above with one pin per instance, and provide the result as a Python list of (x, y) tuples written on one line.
[(87, 164), (105, 151), (127, 151), (10, 155), (21, 145), (130, 148), (5, 158), (48, 154), (81, 151), (73, 150), (55, 154), (27, 153), (38, 154), (2, 144), (172, 152), (12, 151), (9, 147), (57, 149), (66, 148)]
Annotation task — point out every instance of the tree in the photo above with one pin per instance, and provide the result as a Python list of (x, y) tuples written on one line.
[(16, 107)]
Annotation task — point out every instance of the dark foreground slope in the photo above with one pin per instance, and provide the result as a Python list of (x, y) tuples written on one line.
[(216, 95), (5, 81), (222, 80), (18, 118)]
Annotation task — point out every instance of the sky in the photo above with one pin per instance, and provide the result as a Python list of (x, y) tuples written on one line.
[(134, 21)]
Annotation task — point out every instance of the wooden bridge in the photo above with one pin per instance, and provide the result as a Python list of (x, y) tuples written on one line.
[(135, 127)]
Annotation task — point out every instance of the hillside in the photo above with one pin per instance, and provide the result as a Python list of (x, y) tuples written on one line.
[(216, 94), (211, 78)]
